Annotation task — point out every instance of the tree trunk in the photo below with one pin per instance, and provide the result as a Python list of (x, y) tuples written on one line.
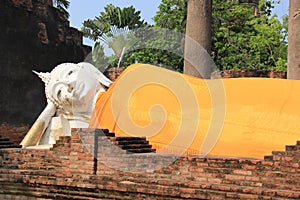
[(197, 47), (294, 40)]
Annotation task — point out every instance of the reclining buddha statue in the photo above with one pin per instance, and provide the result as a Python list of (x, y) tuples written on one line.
[(70, 92), (179, 114)]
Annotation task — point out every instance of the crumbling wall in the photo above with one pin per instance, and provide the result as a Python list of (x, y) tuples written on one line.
[(241, 73), (15, 133), (71, 171), (33, 36)]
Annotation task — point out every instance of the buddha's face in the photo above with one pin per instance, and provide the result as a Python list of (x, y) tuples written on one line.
[(73, 86)]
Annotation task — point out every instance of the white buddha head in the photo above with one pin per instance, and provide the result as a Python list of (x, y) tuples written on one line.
[(72, 87)]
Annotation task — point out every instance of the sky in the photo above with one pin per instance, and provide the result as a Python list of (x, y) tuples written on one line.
[(80, 11)]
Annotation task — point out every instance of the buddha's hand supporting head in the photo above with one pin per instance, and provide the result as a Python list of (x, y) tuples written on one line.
[(72, 87)]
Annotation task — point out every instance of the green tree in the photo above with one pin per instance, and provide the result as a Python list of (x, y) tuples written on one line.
[(98, 57), (112, 17), (62, 5), (114, 27), (172, 15), (243, 40), (239, 38), (160, 47), (118, 39)]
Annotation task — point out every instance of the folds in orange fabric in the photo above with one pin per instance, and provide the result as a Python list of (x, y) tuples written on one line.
[(180, 114)]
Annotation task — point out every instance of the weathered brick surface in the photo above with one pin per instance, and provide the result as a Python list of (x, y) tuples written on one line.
[(70, 170), (34, 36), (113, 73), (250, 73), (15, 133)]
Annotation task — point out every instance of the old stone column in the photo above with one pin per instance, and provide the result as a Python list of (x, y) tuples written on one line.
[(294, 40), (198, 38)]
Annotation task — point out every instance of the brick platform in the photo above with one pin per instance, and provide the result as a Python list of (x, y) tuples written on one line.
[(70, 170), (5, 143), (241, 73)]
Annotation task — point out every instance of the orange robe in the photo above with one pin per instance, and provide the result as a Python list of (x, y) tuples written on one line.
[(243, 117)]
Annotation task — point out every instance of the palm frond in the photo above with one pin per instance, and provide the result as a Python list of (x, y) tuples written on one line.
[(63, 5)]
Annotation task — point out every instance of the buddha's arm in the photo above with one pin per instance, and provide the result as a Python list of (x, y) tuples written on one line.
[(39, 126)]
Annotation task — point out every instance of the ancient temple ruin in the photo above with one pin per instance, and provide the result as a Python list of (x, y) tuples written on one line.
[(34, 36), (95, 163)]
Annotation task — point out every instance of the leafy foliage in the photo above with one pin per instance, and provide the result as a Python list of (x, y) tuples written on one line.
[(118, 39), (240, 39), (172, 15), (157, 46), (112, 17), (114, 28), (98, 57)]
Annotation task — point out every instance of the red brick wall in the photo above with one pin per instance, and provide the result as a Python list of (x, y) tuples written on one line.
[(33, 36), (15, 133), (113, 73), (69, 170), (250, 73)]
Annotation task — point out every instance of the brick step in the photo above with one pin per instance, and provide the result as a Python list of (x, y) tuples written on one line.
[(104, 132), (135, 146), (292, 147), (278, 153), (268, 158), (110, 134), (4, 139), (288, 148), (34, 170), (10, 146), (125, 138), (130, 142), (127, 143), (236, 190), (144, 150), (5, 142), (202, 191)]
